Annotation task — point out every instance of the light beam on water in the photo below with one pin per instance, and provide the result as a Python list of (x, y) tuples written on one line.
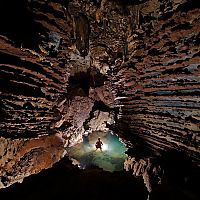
[(111, 158)]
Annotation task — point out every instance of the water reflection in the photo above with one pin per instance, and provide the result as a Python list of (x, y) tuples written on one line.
[(111, 158)]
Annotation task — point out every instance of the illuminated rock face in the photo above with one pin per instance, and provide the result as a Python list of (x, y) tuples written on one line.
[(22, 157), (59, 59)]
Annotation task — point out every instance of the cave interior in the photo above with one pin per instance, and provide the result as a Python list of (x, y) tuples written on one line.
[(125, 71)]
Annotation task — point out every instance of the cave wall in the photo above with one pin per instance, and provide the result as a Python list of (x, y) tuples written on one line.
[(43, 46), (160, 94), (32, 86), (20, 158)]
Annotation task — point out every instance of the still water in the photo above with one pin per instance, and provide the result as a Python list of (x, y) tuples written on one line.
[(111, 158)]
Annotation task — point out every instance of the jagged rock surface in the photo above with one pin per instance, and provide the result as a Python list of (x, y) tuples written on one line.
[(23, 157), (161, 77)]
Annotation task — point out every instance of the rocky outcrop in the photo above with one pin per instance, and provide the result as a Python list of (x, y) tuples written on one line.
[(100, 120), (149, 170), (23, 157)]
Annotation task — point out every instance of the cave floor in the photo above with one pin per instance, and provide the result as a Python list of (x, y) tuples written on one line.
[(66, 181)]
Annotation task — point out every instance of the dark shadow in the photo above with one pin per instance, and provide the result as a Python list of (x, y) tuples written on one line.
[(66, 180), (80, 82), (180, 180), (17, 23)]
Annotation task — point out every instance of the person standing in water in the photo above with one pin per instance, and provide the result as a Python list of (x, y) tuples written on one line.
[(99, 144)]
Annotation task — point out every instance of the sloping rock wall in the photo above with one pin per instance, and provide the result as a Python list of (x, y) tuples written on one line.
[(160, 80)]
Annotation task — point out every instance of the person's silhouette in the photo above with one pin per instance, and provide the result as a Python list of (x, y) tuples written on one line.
[(99, 144)]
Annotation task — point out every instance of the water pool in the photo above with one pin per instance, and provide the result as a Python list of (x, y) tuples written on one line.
[(111, 158)]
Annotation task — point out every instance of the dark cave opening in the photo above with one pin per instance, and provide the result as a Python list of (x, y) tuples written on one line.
[(81, 82), (100, 105)]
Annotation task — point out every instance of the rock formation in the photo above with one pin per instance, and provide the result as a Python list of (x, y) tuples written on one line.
[(136, 61), (149, 170)]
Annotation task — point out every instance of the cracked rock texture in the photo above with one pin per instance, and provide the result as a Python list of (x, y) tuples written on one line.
[(63, 61)]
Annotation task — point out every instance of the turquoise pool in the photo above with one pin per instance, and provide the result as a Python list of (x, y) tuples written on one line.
[(111, 158)]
